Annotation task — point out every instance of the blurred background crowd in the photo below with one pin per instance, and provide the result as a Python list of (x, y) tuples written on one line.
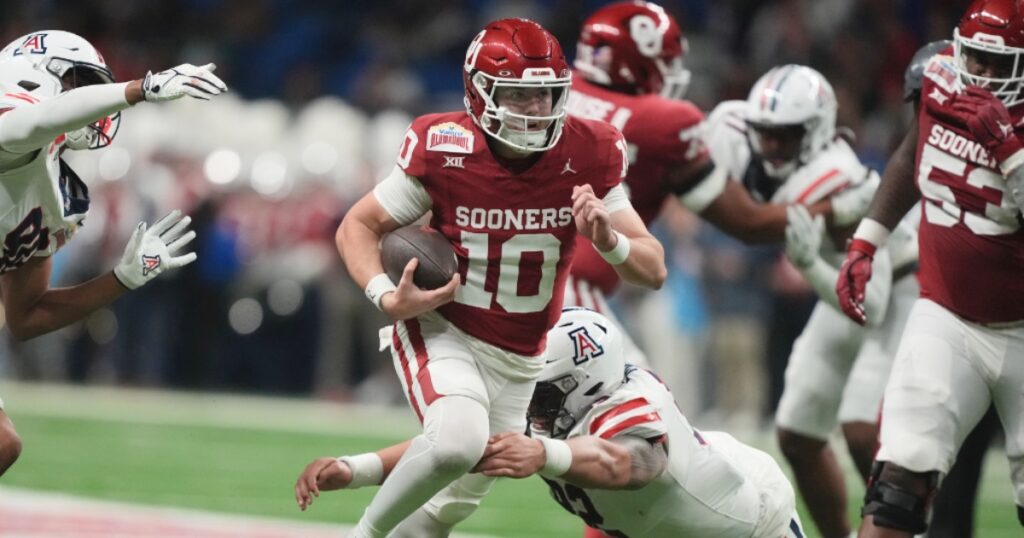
[(321, 95)]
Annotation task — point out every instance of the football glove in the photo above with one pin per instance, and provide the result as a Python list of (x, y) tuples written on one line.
[(803, 236), (151, 251), (186, 79), (989, 122), (853, 279)]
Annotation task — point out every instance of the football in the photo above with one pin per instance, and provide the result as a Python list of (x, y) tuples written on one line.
[(436, 256)]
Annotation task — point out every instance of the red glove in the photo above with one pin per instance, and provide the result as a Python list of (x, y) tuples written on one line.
[(853, 279), (988, 120)]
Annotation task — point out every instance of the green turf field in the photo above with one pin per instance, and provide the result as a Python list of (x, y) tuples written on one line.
[(241, 455)]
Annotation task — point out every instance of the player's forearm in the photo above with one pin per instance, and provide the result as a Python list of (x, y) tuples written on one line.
[(60, 307), (358, 242), (645, 265), (897, 192), (597, 463), (30, 127)]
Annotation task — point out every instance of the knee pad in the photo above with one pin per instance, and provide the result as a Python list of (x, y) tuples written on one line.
[(892, 499)]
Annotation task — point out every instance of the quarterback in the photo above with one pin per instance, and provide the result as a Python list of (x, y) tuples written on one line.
[(56, 93), (467, 354)]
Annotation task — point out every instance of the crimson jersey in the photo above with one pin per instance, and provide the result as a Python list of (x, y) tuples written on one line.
[(660, 133), (971, 243), (513, 231)]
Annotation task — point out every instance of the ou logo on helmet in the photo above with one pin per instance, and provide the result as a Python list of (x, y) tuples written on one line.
[(585, 347), (649, 38)]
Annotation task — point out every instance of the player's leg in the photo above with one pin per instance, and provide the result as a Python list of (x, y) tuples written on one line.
[(862, 397), (815, 376), (937, 392), (446, 390), (435, 519), (955, 503), (1003, 353), (10, 443)]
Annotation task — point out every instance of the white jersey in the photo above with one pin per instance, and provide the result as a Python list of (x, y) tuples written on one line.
[(714, 486), (42, 201), (833, 169)]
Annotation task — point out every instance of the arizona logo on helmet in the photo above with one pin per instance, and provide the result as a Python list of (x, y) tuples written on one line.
[(149, 264), (34, 44), (584, 346)]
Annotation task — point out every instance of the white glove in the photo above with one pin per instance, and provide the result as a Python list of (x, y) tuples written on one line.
[(186, 79), (850, 205), (803, 236), (149, 252)]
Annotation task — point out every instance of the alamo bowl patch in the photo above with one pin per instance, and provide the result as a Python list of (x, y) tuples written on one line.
[(450, 137)]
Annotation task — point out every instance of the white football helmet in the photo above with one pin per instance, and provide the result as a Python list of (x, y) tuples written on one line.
[(792, 96), (583, 362), (71, 62)]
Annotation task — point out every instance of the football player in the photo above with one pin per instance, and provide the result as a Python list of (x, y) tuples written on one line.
[(629, 72), (510, 181), (614, 449), (57, 93), (782, 142), (962, 345)]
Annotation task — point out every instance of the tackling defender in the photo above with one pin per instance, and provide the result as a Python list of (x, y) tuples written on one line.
[(614, 449)]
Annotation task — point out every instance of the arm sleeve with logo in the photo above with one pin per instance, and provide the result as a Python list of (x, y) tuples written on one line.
[(30, 127)]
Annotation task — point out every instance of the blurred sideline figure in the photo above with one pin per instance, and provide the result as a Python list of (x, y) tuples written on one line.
[(629, 72), (961, 349), (615, 450), (782, 144), (510, 181), (58, 94)]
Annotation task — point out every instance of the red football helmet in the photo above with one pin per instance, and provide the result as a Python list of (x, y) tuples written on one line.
[(996, 28), (516, 53), (636, 47)]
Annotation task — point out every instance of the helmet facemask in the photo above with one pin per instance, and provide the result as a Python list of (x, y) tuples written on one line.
[(547, 413), (1009, 61), (520, 131), (791, 150), (98, 134)]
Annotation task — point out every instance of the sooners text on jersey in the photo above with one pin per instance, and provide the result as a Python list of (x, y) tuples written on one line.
[(971, 243), (660, 133), (513, 231)]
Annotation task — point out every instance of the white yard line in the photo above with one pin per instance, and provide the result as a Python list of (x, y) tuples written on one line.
[(33, 514)]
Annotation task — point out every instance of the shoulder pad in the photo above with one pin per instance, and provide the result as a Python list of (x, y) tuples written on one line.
[(915, 70)]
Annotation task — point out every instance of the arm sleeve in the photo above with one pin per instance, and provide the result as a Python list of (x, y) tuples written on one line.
[(30, 127), (701, 195), (402, 196), (617, 199)]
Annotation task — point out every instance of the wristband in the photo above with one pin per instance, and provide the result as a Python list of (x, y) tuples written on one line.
[(617, 255), (872, 232), (367, 469), (379, 286), (557, 457)]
